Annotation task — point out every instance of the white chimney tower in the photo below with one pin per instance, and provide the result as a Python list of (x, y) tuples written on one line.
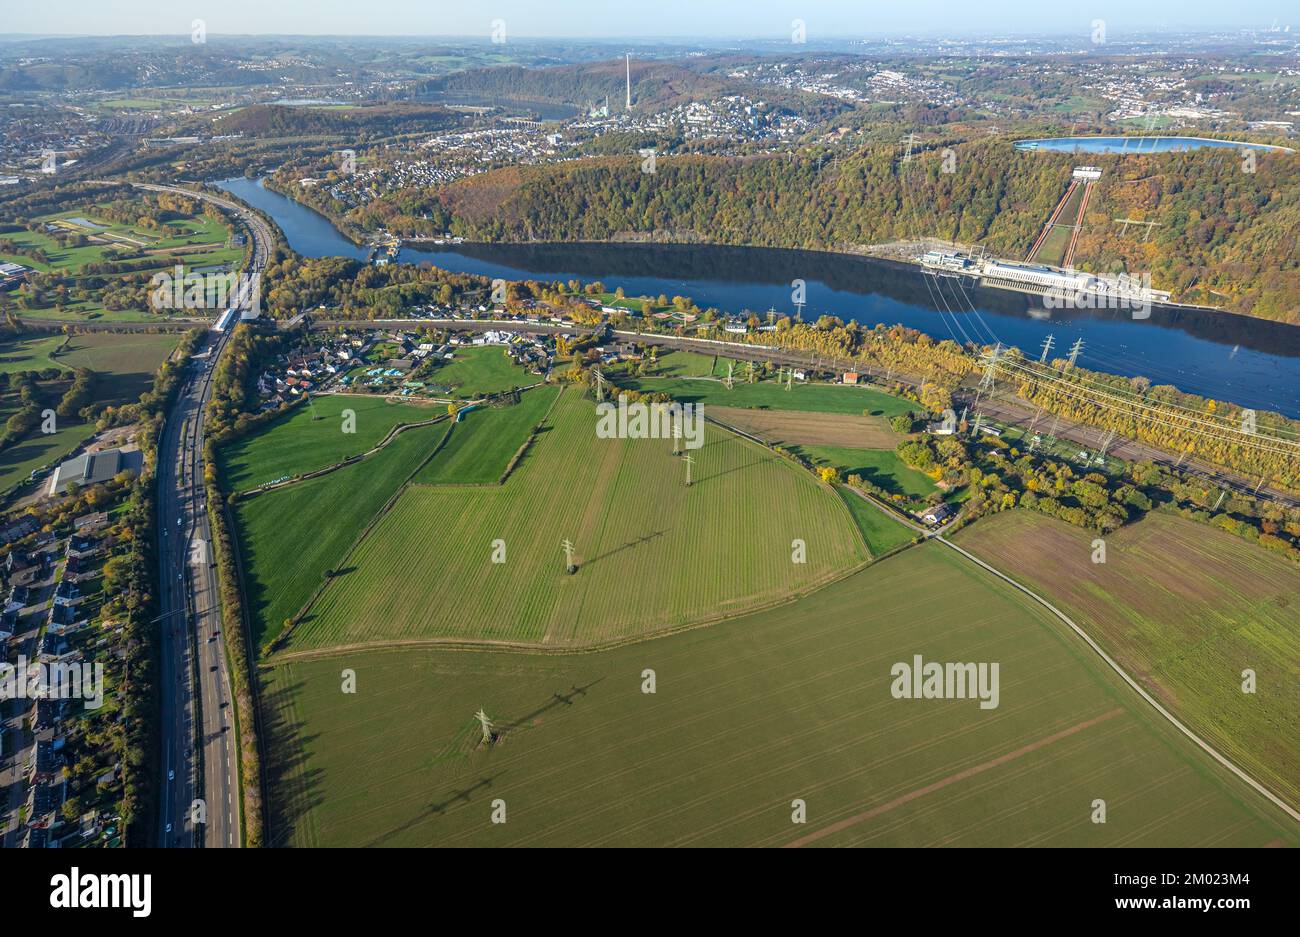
[(629, 81)]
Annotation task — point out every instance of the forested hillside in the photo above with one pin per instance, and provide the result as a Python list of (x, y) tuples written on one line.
[(1225, 236)]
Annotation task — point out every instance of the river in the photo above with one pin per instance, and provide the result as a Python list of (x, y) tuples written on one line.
[(1251, 362)]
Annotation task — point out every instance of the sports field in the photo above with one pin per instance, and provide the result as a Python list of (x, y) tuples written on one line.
[(311, 437), (485, 369), (652, 553), (748, 715), (1184, 609), (828, 398), (290, 538), (483, 442)]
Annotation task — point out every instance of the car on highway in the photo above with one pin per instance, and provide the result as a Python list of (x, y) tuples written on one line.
[(169, 828), (171, 775)]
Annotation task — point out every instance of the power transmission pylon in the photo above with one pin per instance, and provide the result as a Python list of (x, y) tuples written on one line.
[(600, 383), (486, 724), (567, 545), (1075, 349), (1105, 444), (1047, 346), (689, 462), (751, 372), (987, 381), (728, 381)]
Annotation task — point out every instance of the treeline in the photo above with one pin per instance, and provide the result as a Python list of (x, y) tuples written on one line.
[(30, 404), (137, 602), (1256, 444), (357, 290), (234, 382), (1001, 477)]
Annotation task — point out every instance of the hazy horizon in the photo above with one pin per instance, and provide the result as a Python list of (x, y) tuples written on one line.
[(668, 20)]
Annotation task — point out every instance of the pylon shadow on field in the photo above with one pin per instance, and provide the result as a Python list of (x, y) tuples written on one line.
[(557, 699), (627, 546), (462, 796)]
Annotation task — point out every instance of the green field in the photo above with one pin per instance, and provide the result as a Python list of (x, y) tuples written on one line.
[(827, 398), (880, 531), (289, 538), (682, 364), (1184, 609), (311, 437), (38, 450), (479, 370), (124, 364), (881, 467), (748, 715), (653, 554), (482, 444), (29, 353)]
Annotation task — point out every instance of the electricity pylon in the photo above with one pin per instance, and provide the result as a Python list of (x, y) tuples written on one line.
[(689, 462), (1075, 349), (486, 725), (567, 545), (1047, 346)]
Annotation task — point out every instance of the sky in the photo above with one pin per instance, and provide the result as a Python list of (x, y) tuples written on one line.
[(596, 19)]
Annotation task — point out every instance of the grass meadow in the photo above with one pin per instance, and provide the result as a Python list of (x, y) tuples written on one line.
[(652, 553), (747, 716), (311, 437), (827, 398), (485, 369), (483, 442), (290, 538)]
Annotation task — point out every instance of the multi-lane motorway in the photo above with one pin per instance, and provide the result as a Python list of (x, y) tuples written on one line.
[(200, 757)]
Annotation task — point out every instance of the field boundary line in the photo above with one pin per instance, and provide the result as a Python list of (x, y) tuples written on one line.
[(365, 532), (350, 460), (532, 437), (951, 779), (276, 659), (1173, 720)]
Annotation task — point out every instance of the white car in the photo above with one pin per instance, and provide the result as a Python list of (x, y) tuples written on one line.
[(171, 775)]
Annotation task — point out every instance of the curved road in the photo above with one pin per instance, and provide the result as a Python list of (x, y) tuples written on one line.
[(200, 758)]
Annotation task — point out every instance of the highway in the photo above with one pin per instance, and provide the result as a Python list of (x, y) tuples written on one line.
[(200, 757)]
